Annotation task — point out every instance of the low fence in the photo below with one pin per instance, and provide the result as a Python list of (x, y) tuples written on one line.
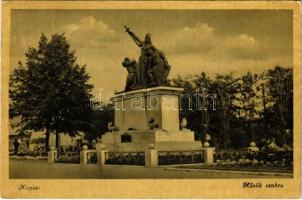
[(149, 158), (92, 157), (88, 156), (38, 151), (180, 157), (73, 157), (125, 158), (68, 157)]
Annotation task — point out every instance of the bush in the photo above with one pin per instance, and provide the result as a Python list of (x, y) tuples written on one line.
[(249, 158)]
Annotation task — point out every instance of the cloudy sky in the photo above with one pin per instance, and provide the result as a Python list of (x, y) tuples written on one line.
[(214, 41)]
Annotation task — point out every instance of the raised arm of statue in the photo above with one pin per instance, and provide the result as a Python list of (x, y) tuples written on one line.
[(136, 39)]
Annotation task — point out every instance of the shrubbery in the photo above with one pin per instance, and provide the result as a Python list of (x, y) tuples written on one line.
[(250, 158)]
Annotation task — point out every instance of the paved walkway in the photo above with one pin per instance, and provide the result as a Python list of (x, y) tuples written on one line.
[(40, 169)]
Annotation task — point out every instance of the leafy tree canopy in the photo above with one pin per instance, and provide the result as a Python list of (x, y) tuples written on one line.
[(51, 91)]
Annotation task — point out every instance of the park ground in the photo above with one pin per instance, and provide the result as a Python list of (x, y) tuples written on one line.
[(40, 169)]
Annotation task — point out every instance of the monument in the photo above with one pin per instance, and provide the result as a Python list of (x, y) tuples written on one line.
[(147, 111), (147, 129)]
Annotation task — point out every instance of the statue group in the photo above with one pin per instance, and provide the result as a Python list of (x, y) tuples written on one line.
[(152, 68)]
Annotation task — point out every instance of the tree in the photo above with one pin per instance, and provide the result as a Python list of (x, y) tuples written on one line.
[(188, 108), (203, 84), (99, 120), (226, 87), (247, 100), (203, 118), (50, 92), (279, 83), (253, 107)]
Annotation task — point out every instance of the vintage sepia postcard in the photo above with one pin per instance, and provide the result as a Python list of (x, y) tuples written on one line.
[(150, 99)]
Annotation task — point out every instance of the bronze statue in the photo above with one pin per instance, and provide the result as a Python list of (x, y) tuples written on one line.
[(132, 67), (153, 67)]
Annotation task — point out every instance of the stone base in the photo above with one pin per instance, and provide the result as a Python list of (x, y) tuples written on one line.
[(134, 109), (134, 140)]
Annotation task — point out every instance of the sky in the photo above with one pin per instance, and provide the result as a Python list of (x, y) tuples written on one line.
[(213, 41)]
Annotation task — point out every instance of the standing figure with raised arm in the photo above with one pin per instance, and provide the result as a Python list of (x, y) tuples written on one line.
[(147, 55), (153, 65)]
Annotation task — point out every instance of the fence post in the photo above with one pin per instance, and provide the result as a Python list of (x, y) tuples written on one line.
[(208, 154), (83, 155), (52, 155), (101, 154), (151, 156)]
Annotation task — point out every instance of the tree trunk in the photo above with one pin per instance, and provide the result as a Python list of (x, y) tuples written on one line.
[(57, 139), (47, 140), (263, 98)]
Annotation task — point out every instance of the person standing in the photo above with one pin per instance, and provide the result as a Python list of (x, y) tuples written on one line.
[(16, 146)]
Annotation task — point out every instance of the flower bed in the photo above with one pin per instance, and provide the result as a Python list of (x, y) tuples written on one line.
[(125, 158), (68, 157), (247, 158), (179, 157)]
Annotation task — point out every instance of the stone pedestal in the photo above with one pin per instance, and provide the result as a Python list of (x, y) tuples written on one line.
[(209, 155), (163, 140), (133, 112), (134, 109)]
